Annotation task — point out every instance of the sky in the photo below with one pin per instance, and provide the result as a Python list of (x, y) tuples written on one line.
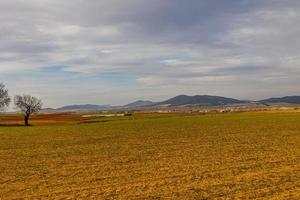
[(118, 51)]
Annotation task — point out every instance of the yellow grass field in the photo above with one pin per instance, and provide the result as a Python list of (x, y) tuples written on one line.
[(152, 156)]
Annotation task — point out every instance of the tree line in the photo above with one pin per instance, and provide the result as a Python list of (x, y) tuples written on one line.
[(26, 104)]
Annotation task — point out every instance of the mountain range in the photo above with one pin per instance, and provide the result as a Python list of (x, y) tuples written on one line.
[(180, 100)]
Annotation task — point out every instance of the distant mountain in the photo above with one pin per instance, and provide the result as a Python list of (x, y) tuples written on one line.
[(139, 103), (288, 99), (83, 107), (200, 100), (48, 110)]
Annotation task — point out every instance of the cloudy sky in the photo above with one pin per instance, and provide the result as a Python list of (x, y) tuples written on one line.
[(118, 51)]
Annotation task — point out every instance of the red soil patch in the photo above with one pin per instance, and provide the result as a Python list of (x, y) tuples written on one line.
[(41, 119)]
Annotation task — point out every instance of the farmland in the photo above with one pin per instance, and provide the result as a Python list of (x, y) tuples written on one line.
[(152, 156)]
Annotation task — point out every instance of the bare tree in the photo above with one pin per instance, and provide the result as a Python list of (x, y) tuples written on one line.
[(4, 98), (28, 105)]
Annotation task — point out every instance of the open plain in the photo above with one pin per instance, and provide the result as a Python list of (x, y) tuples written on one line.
[(152, 156)]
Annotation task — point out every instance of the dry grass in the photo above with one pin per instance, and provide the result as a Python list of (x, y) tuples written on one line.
[(229, 156)]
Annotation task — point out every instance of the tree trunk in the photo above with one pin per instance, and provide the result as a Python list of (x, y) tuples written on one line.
[(26, 120)]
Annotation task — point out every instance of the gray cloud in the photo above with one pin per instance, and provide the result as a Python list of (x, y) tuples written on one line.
[(165, 47)]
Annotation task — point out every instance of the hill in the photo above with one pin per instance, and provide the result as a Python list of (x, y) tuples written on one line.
[(83, 107), (199, 100), (288, 99), (139, 103)]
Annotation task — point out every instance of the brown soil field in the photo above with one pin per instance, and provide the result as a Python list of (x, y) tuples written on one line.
[(152, 156)]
